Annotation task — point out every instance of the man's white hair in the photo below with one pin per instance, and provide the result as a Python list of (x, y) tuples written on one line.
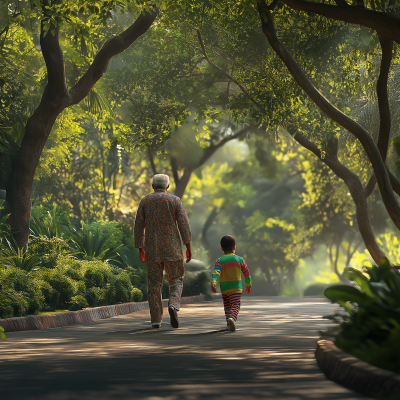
[(160, 181)]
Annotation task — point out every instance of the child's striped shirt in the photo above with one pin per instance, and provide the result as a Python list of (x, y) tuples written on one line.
[(229, 269)]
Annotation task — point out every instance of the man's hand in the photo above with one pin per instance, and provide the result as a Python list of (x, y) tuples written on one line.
[(213, 289), (188, 253), (142, 255), (248, 290)]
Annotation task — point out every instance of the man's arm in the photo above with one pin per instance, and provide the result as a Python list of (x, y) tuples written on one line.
[(140, 224), (184, 229)]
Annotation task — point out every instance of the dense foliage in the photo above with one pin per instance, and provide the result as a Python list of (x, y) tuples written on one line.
[(370, 327), (68, 268)]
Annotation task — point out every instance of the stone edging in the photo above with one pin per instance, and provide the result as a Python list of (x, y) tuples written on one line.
[(355, 374), (82, 316)]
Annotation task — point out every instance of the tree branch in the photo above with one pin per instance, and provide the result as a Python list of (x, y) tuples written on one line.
[(212, 149), (52, 54), (355, 188), (209, 221), (112, 47), (244, 90), (342, 3), (369, 188), (384, 23), (395, 181), (336, 115), (383, 105), (174, 167), (151, 159), (383, 96), (335, 266)]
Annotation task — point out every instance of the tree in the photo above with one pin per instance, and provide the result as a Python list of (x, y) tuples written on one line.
[(98, 182), (384, 24), (56, 95)]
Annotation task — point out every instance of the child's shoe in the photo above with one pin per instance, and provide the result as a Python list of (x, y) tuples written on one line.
[(231, 325)]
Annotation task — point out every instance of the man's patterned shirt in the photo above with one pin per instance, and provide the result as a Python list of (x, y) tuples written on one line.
[(158, 219)]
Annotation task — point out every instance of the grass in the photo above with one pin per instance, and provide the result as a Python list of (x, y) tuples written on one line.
[(48, 312)]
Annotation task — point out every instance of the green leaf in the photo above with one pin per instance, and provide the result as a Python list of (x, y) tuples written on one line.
[(344, 293), (362, 281), (2, 334), (384, 268)]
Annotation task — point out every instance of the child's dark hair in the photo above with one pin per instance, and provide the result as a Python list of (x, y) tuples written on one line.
[(228, 243)]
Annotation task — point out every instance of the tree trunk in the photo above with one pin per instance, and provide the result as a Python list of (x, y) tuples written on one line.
[(183, 182), (356, 190), (336, 115), (20, 182), (55, 99)]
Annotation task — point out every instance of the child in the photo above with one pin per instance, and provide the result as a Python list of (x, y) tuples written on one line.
[(229, 268)]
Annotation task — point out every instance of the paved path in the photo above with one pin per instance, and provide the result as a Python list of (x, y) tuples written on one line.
[(270, 356)]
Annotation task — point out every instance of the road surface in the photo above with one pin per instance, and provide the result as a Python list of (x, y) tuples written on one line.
[(270, 356)]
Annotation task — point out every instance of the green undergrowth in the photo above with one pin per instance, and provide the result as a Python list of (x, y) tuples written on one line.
[(69, 268), (369, 322)]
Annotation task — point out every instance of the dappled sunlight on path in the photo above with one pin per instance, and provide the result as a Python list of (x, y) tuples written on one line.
[(270, 356)]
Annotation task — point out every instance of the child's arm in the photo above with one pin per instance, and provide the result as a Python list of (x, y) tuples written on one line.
[(247, 277), (215, 275)]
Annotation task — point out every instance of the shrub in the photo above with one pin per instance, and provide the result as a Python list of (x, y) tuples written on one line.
[(7, 296), (63, 284), (21, 293), (87, 244), (92, 296), (97, 274), (316, 289), (370, 327), (136, 295), (78, 303), (14, 257), (49, 249), (120, 288), (48, 224), (196, 283), (128, 257), (113, 235)]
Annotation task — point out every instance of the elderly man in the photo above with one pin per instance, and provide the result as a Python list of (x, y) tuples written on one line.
[(159, 217)]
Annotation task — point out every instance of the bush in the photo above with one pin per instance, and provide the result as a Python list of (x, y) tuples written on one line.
[(196, 283), (49, 249), (316, 289), (59, 281), (97, 274), (7, 296), (92, 296), (370, 328), (64, 281), (120, 288), (110, 231), (78, 303), (136, 295), (20, 292), (195, 266)]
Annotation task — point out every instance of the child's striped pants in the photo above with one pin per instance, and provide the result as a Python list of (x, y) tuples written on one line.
[(231, 305)]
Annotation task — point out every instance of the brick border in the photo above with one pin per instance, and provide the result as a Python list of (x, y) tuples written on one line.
[(82, 316), (355, 374)]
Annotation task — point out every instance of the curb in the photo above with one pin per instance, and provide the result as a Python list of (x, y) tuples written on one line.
[(88, 315), (355, 374)]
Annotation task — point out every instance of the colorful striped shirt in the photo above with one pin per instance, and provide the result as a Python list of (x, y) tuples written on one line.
[(229, 270)]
